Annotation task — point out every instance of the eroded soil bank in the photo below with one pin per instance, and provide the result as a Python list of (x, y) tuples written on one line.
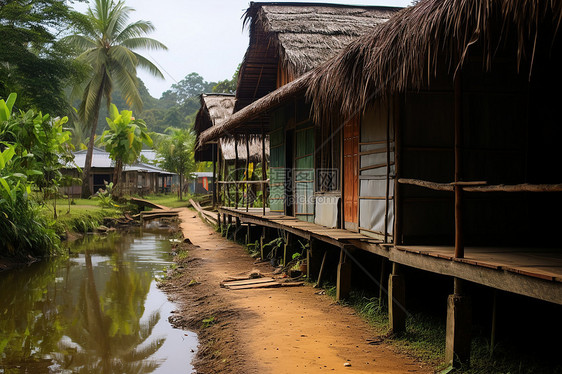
[(269, 330)]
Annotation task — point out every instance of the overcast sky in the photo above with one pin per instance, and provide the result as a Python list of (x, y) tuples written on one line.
[(205, 37)]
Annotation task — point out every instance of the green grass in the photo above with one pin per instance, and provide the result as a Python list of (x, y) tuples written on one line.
[(170, 200), (84, 216)]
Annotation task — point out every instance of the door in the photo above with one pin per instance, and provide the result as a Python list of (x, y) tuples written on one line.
[(350, 172)]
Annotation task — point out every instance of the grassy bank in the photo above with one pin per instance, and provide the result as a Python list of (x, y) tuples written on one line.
[(169, 200), (84, 215)]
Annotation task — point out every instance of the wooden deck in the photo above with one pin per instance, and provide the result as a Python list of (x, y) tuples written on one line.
[(531, 272)]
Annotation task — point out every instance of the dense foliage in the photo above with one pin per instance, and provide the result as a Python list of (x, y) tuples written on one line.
[(32, 61), (31, 146)]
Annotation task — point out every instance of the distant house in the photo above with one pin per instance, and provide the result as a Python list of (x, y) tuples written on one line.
[(140, 178), (202, 183)]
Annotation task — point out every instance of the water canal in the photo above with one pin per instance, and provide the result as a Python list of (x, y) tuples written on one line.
[(98, 311)]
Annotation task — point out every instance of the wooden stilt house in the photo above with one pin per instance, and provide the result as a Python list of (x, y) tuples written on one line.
[(230, 156), (286, 41), (437, 131)]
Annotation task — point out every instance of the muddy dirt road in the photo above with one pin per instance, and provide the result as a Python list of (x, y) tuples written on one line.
[(270, 330)]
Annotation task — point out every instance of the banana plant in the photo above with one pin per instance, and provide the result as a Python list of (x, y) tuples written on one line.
[(124, 139)]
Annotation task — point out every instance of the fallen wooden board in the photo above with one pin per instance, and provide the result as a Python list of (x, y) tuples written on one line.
[(273, 284), (243, 282)]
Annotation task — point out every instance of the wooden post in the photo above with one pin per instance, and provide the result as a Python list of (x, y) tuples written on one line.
[(262, 239), (459, 324), (397, 166), (381, 279), (248, 238), (321, 272), (396, 301), (285, 245), (343, 283), (263, 170), (387, 171), (214, 174), (236, 170), (459, 234), (236, 228), (313, 259), (493, 329), (247, 171)]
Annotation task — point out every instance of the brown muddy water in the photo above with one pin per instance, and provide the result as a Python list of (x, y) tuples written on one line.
[(98, 311)]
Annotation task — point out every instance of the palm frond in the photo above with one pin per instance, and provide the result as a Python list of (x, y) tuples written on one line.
[(134, 30), (148, 65), (144, 43)]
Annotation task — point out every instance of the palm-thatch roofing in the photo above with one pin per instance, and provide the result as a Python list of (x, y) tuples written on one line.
[(404, 52), (299, 37), (255, 110), (216, 109)]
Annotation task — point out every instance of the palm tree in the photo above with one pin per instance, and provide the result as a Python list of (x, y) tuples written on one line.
[(107, 42), (124, 140)]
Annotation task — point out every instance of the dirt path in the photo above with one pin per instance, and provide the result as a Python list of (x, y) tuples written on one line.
[(275, 330)]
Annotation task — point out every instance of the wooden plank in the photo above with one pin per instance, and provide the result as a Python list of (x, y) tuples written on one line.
[(267, 285), (147, 203), (246, 281)]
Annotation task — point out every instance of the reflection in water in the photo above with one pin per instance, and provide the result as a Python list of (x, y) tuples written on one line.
[(99, 312)]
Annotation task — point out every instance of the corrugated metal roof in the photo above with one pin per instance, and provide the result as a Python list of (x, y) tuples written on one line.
[(100, 159)]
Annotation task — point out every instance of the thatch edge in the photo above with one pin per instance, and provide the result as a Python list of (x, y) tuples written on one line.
[(400, 53)]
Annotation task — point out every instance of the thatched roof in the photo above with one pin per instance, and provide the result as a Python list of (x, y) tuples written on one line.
[(216, 109), (229, 152), (299, 37), (404, 52), (254, 110)]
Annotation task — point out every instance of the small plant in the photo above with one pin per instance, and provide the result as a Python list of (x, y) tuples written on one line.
[(105, 197), (208, 322)]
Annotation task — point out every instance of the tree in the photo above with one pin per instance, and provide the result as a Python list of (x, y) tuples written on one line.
[(191, 86), (228, 85), (32, 62), (107, 43), (176, 152), (124, 140)]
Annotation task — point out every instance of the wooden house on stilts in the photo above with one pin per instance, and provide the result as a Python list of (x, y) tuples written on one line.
[(229, 154), (430, 141)]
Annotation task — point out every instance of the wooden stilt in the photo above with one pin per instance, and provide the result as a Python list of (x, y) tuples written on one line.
[(262, 239), (343, 283), (458, 334), (396, 300), (321, 272), (381, 279), (493, 329)]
